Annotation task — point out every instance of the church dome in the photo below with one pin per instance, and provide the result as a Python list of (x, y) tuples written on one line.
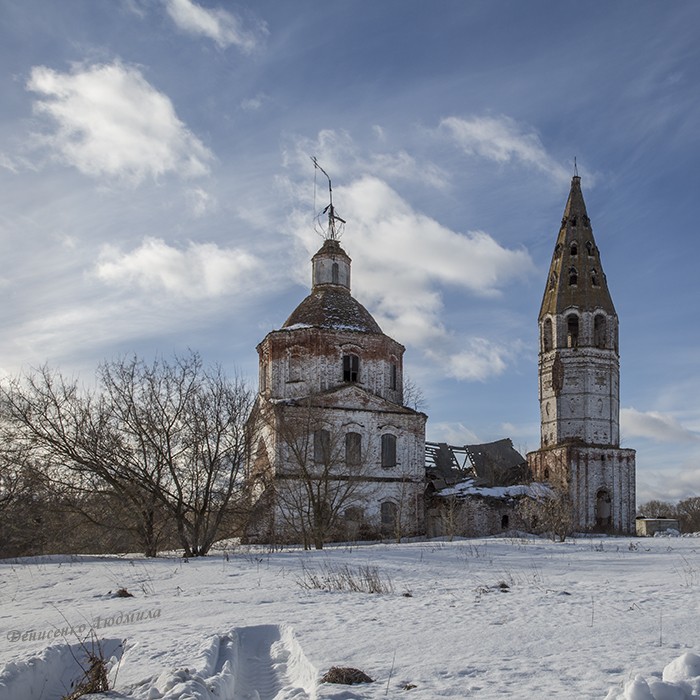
[(330, 305), (334, 308)]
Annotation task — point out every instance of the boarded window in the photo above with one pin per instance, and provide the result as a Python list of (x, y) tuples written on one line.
[(388, 451), (294, 365), (353, 449), (351, 368), (322, 447), (388, 515)]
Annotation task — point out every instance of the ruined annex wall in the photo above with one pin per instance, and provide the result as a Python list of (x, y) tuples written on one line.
[(471, 517)]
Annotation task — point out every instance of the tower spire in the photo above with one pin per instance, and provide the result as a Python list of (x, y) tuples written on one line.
[(576, 277)]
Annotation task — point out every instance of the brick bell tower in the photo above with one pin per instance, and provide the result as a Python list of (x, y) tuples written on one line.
[(579, 378)]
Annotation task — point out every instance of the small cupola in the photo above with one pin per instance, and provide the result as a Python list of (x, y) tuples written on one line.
[(331, 265)]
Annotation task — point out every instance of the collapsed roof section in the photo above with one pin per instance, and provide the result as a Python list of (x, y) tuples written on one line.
[(491, 464)]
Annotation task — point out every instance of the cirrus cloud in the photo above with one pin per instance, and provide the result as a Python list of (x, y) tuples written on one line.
[(219, 25), (502, 139), (107, 120)]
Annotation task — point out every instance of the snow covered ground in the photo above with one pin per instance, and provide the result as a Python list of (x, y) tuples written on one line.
[(488, 618)]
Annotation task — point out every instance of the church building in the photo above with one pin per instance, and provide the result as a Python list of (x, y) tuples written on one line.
[(338, 454), (579, 376)]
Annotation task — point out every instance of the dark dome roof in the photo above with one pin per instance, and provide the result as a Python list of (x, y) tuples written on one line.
[(333, 307)]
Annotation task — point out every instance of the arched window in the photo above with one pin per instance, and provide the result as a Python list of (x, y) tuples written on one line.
[(388, 516), (600, 331), (590, 248), (393, 375), (573, 276), (353, 449), (388, 451), (603, 509), (322, 447), (574, 248), (547, 335), (351, 368), (294, 365), (572, 331), (334, 273), (546, 473), (594, 277)]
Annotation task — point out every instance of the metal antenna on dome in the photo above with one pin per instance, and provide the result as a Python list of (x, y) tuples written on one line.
[(336, 225)]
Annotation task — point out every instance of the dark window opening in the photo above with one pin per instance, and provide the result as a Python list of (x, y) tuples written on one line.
[(590, 248), (600, 331), (322, 447), (546, 473), (574, 221), (594, 278), (573, 276), (351, 368), (334, 273), (353, 449), (574, 249), (388, 451), (504, 522), (393, 376), (572, 331)]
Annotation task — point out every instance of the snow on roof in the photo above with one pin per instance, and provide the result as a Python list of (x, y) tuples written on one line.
[(468, 487)]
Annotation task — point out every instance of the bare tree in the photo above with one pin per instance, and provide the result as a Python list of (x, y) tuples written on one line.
[(657, 509), (322, 475), (164, 438), (688, 512)]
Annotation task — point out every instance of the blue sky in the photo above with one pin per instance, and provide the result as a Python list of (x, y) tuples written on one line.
[(157, 192)]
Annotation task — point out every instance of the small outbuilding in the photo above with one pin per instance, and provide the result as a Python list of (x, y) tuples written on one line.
[(648, 527)]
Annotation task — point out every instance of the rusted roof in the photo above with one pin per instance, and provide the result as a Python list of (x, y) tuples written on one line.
[(334, 308)]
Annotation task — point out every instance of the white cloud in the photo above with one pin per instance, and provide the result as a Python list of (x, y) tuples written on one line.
[(655, 426), (502, 139), (110, 121), (480, 360), (253, 104), (199, 272), (201, 202), (221, 26)]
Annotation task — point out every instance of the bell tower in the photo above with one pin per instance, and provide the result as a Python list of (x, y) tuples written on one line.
[(579, 377)]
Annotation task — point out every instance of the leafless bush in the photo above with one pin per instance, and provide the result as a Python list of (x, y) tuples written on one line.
[(95, 678), (365, 579), (345, 675)]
